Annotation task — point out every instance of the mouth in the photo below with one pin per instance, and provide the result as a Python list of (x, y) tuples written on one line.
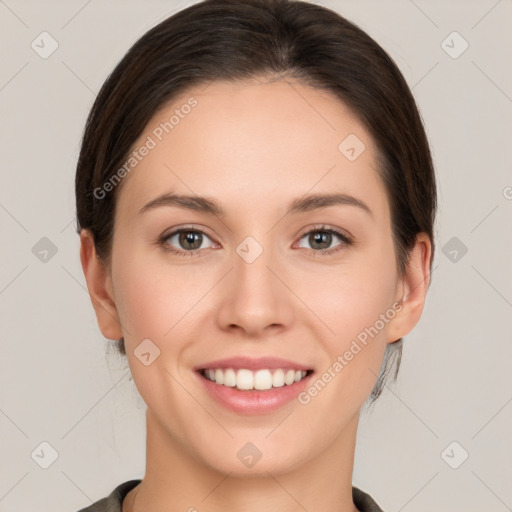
[(264, 379), (253, 386)]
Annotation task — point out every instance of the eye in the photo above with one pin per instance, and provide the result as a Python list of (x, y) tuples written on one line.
[(321, 238), (188, 240)]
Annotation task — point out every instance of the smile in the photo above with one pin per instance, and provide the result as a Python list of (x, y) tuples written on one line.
[(246, 380)]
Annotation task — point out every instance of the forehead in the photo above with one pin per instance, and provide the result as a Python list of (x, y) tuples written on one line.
[(251, 142)]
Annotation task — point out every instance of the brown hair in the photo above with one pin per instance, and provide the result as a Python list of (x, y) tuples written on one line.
[(235, 40)]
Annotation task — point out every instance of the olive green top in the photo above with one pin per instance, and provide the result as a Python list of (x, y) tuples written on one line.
[(113, 502)]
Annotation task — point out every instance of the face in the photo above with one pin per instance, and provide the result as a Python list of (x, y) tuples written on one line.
[(312, 286)]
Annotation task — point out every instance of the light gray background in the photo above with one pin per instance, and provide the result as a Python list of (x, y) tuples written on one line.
[(58, 383)]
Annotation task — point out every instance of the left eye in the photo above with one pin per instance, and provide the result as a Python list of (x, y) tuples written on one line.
[(320, 239)]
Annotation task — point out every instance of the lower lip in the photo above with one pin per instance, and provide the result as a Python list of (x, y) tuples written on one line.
[(254, 401)]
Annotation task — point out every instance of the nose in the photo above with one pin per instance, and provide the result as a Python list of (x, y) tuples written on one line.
[(254, 298)]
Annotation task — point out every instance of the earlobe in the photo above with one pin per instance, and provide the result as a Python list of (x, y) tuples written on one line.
[(99, 285), (415, 282)]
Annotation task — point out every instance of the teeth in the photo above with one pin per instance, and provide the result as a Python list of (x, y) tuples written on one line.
[(244, 379), (260, 380), (278, 379), (289, 377), (229, 378)]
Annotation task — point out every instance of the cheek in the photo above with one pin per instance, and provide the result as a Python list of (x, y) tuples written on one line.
[(157, 300), (152, 306), (354, 296), (359, 317), (146, 300), (357, 306)]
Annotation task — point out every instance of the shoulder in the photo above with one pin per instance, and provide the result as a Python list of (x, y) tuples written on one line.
[(113, 502), (364, 502)]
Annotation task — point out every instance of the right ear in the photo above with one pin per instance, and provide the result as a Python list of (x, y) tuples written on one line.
[(99, 284)]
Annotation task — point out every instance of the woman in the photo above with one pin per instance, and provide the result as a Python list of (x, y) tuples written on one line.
[(255, 202)]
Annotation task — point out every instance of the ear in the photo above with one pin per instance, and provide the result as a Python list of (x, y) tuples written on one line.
[(412, 289), (99, 284)]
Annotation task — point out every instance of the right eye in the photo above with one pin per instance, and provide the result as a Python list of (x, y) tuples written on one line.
[(189, 240)]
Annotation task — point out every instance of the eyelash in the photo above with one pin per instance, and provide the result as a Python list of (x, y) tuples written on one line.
[(346, 240)]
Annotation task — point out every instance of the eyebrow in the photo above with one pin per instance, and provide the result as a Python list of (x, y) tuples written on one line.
[(211, 206)]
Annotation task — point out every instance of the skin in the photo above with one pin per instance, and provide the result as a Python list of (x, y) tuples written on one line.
[(253, 146)]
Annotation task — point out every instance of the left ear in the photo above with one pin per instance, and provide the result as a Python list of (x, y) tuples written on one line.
[(414, 288)]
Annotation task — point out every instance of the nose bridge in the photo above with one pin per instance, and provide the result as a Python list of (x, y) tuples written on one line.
[(252, 262), (255, 297), (254, 282)]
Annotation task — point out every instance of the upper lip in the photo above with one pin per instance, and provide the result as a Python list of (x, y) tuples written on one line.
[(253, 364)]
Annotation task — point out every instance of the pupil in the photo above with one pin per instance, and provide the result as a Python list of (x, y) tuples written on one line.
[(321, 236), (188, 237)]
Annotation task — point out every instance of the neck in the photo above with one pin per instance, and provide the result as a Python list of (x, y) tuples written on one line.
[(175, 480)]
